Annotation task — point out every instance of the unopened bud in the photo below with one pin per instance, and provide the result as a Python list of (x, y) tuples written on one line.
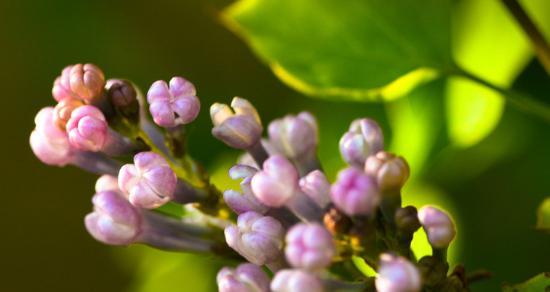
[(238, 126), (438, 226), (391, 171), (364, 138)]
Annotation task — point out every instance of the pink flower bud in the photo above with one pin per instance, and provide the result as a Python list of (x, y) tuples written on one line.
[(245, 278), (106, 183), (391, 171), (64, 109), (396, 274), (114, 221), (355, 193), (438, 226), (296, 281), (149, 182), (48, 142), (87, 128), (173, 105), (245, 201), (309, 246), (276, 183), (317, 187), (363, 139), (239, 126), (257, 238), (295, 136), (86, 81), (62, 86)]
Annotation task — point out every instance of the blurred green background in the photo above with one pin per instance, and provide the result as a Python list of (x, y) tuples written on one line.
[(493, 187)]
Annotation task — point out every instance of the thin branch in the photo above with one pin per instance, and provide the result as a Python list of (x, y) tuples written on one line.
[(542, 49), (520, 100)]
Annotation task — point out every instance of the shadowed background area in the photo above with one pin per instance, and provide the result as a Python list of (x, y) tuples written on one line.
[(493, 188)]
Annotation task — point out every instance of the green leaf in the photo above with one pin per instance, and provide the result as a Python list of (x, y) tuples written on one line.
[(353, 49), (487, 42), (543, 215), (539, 283), (412, 120)]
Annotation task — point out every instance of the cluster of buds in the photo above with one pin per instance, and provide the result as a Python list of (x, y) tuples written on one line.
[(289, 217)]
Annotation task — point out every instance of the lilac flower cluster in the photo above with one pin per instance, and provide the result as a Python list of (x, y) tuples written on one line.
[(288, 217)]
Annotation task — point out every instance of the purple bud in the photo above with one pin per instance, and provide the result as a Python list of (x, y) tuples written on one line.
[(364, 138), (87, 128), (123, 97), (355, 193), (396, 274), (317, 187), (294, 136), (48, 142), (106, 183), (149, 182), (391, 171), (296, 281), (276, 183), (245, 278), (309, 246), (245, 201), (239, 126), (173, 105), (438, 226), (257, 238), (86, 81), (114, 221)]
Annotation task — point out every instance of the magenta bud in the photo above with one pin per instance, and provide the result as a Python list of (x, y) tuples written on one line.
[(309, 246), (245, 201), (317, 187), (276, 183), (114, 221), (238, 126), (438, 226), (296, 281), (149, 182), (49, 143), (87, 128), (355, 193), (391, 171), (257, 238), (294, 136), (86, 81), (396, 274), (364, 138), (106, 183), (174, 104), (245, 278)]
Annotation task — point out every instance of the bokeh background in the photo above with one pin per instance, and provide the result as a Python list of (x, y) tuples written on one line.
[(493, 187)]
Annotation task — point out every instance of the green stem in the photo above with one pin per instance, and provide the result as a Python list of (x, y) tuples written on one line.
[(521, 100), (542, 49)]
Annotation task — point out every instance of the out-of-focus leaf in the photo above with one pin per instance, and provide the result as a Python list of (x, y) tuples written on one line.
[(489, 43), (543, 215), (157, 270), (353, 49), (539, 283), (415, 121)]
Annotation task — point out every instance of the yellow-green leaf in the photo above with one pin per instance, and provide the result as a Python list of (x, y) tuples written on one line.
[(543, 215), (539, 283)]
